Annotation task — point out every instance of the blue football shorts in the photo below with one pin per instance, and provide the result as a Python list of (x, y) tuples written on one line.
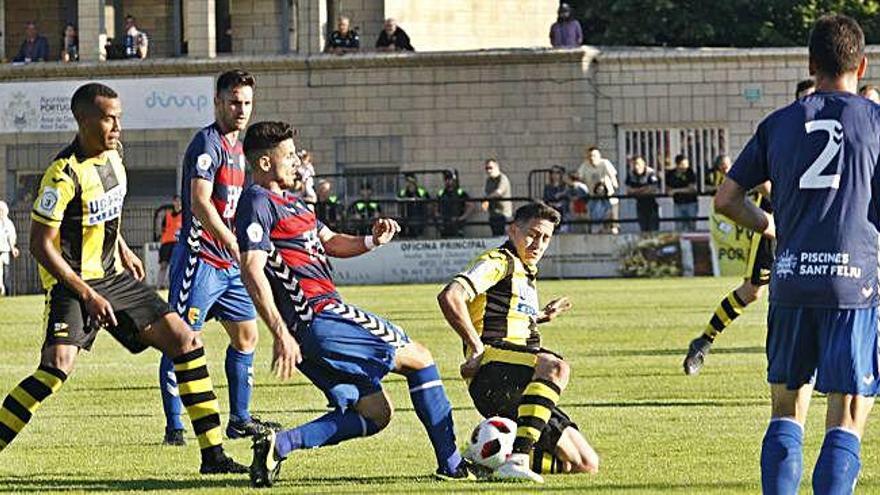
[(347, 352), (835, 348), (200, 291)]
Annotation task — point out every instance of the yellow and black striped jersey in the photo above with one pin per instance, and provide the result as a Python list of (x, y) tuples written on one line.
[(82, 198), (502, 297)]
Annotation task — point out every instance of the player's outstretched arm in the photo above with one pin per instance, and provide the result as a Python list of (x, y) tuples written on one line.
[(42, 242), (204, 211), (731, 201), (347, 246), (453, 303), (285, 351)]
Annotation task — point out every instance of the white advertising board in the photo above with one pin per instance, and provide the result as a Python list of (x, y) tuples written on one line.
[(147, 103)]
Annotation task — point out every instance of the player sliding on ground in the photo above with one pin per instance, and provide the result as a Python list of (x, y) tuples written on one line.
[(343, 350), (821, 156), (757, 274), (93, 280), (493, 306)]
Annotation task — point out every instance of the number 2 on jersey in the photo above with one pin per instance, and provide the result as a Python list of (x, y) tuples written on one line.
[(812, 177)]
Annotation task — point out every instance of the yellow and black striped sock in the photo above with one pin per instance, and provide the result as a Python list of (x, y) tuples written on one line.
[(24, 400), (197, 396), (543, 462), (538, 400), (729, 309)]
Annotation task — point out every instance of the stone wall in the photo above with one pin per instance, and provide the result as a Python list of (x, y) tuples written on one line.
[(256, 27)]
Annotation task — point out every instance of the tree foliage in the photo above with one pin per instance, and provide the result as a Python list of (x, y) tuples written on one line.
[(716, 23)]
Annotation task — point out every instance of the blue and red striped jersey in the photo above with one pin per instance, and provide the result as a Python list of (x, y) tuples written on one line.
[(285, 227), (211, 157)]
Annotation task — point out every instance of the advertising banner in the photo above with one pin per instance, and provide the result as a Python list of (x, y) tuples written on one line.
[(147, 103)]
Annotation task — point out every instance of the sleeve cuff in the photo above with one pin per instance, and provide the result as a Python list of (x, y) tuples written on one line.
[(468, 285), (51, 222)]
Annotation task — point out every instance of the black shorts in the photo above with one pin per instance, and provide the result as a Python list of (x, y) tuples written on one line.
[(496, 390), (165, 251), (135, 306), (760, 263)]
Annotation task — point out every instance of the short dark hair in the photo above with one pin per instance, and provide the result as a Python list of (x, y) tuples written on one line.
[(536, 210), (592, 149), (263, 137), (803, 86), (837, 45), (235, 78), (680, 158), (83, 100)]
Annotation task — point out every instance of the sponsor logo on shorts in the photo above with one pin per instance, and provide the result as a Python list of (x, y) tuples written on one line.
[(60, 330), (192, 316), (868, 379)]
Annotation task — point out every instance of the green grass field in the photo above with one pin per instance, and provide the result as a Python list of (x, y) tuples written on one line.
[(656, 430)]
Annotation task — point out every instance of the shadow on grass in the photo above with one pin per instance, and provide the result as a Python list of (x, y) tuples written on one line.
[(672, 352), (38, 484)]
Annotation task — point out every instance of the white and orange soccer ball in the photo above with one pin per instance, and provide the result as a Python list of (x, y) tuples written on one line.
[(491, 442)]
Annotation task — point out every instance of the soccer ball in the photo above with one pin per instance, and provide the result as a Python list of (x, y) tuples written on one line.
[(492, 442)]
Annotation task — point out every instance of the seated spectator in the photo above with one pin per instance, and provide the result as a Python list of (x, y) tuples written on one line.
[(579, 194), (328, 209), (306, 172), (415, 213), (596, 169), (344, 39), (556, 194), (453, 206), (70, 44), (393, 38), (364, 210), (600, 208), (681, 183), (870, 92), (135, 41), (34, 48), (643, 183), (566, 31)]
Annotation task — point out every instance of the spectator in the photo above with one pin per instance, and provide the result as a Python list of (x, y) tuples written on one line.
[(804, 88), (135, 41), (497, 186), (556, 194), (681, 184), (70, 44), (365, 210), (327, 207), (580, 195), (306, 171), (643, 183), (596, 169), (720, 166), (8, 247), (415, 211), (170, 234), (600, 208), (453, 206), (344, 39), (870, 92), (34, 48), (566, 31), (393, 38)]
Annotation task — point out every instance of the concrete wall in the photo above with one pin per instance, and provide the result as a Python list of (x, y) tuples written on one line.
[(474, 24)]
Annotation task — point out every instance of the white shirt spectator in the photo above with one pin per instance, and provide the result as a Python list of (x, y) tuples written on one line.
[(603, 172)]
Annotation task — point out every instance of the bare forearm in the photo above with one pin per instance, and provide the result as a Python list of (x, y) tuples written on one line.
[(730, 201), (345, 246), (207, 215), (51, 260), (260, 290), (455, 310)]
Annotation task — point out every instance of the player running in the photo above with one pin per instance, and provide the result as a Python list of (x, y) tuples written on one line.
[(493, 306), (343, 350), (206, 280), (758, 266), (821, 155), (93, 280)]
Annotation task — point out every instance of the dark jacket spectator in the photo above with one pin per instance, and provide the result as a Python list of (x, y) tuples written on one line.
[(681, 183), (415, 214), (642, 182), (34, 48), (566, 31), (453, 206), (393, 38), (364, 210), (344, 39), (328, 208), (556, 192), (70, 44)]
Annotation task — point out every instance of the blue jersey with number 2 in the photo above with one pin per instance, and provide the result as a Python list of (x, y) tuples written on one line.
[(820, 154)]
